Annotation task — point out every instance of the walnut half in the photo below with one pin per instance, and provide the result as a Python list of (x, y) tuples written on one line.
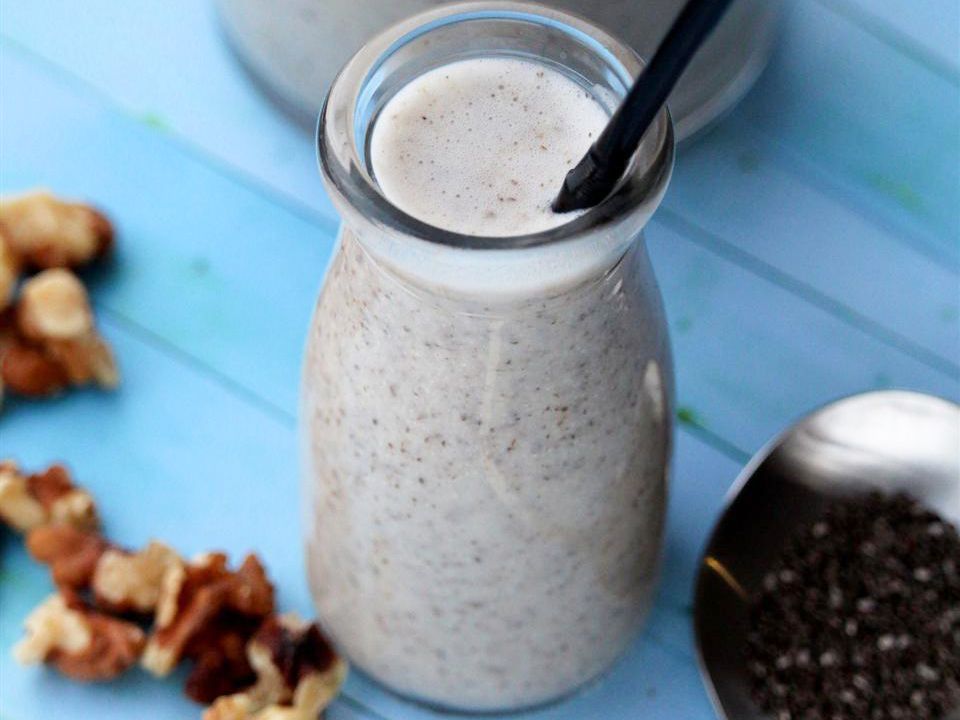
[(131, 582), (46, 231), (9, 270), (26, 369), (198, 596), (81, 643), (298, 675), (18, 507), (72, 554), (54, 315), (29, 501), (122, 582)]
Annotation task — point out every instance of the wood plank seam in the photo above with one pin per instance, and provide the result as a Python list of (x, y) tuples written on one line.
[(328, 223), (714, 440), (684, 226), (691, 232), (228, 171), (801, 167), (309, 214), (191, 362), (893, 38), (183, 357)]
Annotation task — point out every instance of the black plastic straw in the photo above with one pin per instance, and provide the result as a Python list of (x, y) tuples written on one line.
[(596, 175)]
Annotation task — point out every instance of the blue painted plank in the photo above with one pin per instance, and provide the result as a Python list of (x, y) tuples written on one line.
[(173, 453), (186, 275), (185, 267), (929, 30), (751, 357), (889, 144), (868, 122), (187, 283), (291, 286), (162, 462), (762, 214), (745, 191), (175, 445), (136, 55)]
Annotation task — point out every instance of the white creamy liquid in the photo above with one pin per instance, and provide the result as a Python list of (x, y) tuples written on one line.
[(481, 146)]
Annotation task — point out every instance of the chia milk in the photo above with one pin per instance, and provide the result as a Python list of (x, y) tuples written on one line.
[(486, 458)]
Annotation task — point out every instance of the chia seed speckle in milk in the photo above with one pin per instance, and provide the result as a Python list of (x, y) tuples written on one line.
[(486, 468)]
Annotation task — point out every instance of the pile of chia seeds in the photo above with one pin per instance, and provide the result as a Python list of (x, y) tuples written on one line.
[(859, 618)]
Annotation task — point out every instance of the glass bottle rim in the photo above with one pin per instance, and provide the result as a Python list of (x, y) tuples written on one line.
[(341, 136)]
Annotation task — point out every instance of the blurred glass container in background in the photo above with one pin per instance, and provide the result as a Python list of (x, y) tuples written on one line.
[(295, 47)]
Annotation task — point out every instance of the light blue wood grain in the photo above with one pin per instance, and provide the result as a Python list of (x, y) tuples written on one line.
[(747, 193), (163, 61), (225, 235), (751, 357), (889, 144), (174, 460), (868, 121), (783, 189), (929, 30), (162, 467), (154, 278), (184, 268), (185, 275), (175, 456), (184, 98), (170, 458)]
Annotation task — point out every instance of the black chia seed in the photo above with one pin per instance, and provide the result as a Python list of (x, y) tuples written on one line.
[(859, 617)]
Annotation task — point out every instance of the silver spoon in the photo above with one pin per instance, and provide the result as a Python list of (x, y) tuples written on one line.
[(886, 440)]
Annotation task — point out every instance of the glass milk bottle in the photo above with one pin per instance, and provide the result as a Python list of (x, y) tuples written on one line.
[(486, 419)]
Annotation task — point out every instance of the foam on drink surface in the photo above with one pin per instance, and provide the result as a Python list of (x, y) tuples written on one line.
[(481, 146)]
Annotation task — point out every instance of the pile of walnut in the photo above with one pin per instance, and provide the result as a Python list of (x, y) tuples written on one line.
[(248, 662), (48, 339)]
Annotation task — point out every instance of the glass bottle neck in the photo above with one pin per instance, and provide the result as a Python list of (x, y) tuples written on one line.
[(454, 264)]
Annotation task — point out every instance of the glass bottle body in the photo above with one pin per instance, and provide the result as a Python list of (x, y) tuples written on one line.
[(486, 422)]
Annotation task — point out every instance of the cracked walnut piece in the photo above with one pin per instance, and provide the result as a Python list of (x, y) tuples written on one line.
[(122, 582), (18, 507), (71, 554), (197, 596), (9, 270), (220, 663), (298, 675), (54, 313), (81, 643), (54, 306), (131, 582), (26, 369), (45, 231), (29, 501)]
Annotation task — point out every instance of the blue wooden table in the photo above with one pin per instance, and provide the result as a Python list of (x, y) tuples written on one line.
[(807, 249)]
